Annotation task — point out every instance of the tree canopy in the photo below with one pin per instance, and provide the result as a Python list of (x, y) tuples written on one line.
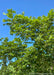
[(38, 58)]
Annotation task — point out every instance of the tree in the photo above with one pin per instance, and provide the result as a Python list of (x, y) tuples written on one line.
[(37, 58)]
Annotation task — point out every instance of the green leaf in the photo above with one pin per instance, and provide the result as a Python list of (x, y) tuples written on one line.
[(4, 13), (4, 20)]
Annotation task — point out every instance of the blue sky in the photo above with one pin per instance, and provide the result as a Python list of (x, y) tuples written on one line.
[(30, 7)]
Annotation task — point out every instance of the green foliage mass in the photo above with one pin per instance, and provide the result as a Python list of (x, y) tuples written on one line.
[(38, 58)]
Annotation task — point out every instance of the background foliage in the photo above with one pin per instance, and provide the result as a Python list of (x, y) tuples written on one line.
[(38, 58)]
